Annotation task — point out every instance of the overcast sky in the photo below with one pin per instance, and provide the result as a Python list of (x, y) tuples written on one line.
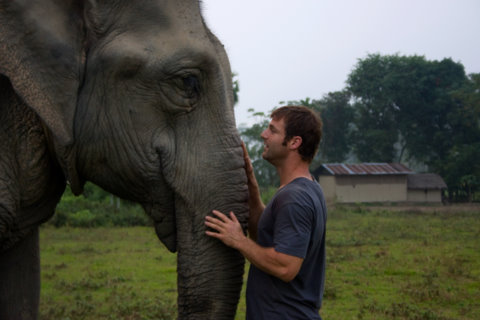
[(292, 49)]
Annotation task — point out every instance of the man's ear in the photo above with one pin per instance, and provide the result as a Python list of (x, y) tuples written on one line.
[(295, 142)]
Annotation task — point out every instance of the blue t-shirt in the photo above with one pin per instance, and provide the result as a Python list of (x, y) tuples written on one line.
[(293, 223)]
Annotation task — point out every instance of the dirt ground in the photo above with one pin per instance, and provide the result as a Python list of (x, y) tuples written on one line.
[(415, 207)]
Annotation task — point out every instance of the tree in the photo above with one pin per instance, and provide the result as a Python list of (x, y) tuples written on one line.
[(404, 99), (375, 131), (428, 109), (465, 119), (425, 115), (461, 171), (236, 87), (337, 116), (374, 134), (461, 168)]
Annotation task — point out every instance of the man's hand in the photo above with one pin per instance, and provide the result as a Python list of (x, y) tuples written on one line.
[(252, 180), (228, 230), (255, 203)]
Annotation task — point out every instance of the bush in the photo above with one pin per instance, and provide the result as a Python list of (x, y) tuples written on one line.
[(83, 219), (97, 208)]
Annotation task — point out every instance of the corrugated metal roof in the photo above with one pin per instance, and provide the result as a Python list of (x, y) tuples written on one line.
[(425, 181), (365, 168)]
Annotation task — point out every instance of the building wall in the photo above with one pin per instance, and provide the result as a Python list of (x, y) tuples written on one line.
[(424, 195), (360, 188), (328, 186)]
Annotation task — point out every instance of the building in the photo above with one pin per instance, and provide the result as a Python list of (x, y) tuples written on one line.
[(425, 187), (377, 182)]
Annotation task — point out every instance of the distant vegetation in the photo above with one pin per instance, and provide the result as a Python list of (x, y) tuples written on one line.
[(394, 108), (97, 208)]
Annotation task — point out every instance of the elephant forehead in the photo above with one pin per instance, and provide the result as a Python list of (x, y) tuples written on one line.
[(162, 33), (157, 22), (166, 55)]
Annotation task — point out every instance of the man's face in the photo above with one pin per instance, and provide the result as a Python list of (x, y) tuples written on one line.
[(273, 138)]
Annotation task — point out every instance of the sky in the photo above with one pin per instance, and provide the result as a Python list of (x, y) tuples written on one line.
[(284, 50)]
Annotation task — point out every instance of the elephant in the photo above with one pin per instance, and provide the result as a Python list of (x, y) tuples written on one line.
[(135, 97)]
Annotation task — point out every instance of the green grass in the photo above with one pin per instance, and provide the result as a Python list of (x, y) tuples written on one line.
[(402, 265), (380, 265), (106, 273)]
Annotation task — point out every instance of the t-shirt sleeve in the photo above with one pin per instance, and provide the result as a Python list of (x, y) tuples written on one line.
[(292, 230)]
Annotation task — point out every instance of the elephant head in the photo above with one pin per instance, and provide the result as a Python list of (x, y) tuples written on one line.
[(136, 97)]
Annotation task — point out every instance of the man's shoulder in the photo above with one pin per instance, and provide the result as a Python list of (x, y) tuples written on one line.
[(299, 190), (302, 186)]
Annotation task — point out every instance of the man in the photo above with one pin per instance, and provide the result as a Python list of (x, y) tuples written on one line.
[(286, 248)]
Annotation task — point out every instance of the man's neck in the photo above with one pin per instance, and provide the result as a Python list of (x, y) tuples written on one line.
[(291, 170)]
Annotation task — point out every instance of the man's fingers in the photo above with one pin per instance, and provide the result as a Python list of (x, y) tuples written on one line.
[(244, 148), (220, 215), (233, 216), (212, 219), (221, 223), (213, 234), (246, 158), (214, 224), (211, 224)]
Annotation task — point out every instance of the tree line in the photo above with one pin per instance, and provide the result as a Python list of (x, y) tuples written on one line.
[(425, 114)]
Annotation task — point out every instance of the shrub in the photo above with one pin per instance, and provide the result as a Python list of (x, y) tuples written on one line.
[(97, 208), (83, 218)]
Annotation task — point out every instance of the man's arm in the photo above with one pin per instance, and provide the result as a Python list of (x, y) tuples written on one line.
[(229, 231), (255, 203)]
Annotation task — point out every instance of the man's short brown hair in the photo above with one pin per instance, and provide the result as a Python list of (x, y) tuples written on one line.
[(303, 122)]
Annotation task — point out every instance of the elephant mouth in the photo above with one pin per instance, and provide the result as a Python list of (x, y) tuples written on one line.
[(162, 211), (166, 231)]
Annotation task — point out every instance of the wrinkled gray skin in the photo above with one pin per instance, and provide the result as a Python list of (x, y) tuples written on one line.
[(136, 97)]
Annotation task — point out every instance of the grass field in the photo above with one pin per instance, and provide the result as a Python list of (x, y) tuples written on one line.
[(380, 265)]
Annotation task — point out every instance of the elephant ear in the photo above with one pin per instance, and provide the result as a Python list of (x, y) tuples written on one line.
[(41, 52)]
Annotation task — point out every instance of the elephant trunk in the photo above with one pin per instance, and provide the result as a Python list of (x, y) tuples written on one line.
[(210, 274)]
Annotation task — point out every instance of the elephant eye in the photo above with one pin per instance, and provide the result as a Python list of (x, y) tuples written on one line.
[(188, 86), (191, 86), (183, 90)]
